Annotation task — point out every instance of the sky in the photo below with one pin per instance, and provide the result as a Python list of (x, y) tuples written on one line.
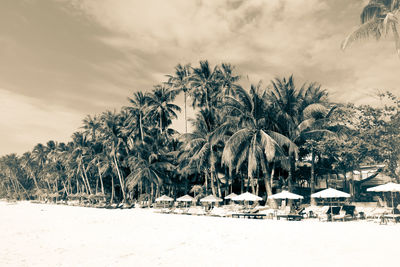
[(61, 60)]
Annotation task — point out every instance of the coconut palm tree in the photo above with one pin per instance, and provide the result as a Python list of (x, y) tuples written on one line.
[(228, 79), (114, 144), (199, 147), (378, 18), (205, 86), (149, 165), (251, 143), (90, 126), (181, 82), (160, 106), (136, 124)]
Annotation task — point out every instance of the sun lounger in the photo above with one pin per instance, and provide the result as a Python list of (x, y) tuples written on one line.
[(249, 215)]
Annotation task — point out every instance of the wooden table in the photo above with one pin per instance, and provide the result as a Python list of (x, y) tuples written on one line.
[(248, 215)]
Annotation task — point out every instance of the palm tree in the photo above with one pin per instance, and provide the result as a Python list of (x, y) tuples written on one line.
[(251, 142), (160, 106), (114, 144), (149, 165), (295, 112), (199, 147), (228, 79), (181, 82), (136, 120), (205, 86), (91, 125), (378, 18)]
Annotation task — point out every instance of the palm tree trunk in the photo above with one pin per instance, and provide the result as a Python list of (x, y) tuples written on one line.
[(141, 127), (101, 179), (268, 186), (112, 190), (312, 177), (184, 95), (119, 177), (87, 180), (160, 124)]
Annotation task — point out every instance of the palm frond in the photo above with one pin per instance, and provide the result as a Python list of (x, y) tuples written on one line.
[(371, 28)]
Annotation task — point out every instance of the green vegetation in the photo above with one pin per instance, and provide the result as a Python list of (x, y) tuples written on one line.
[(258, 139)]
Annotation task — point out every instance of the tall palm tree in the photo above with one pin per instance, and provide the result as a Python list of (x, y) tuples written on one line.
[(160, 106), (136, 121), (198, 147), (293, 110), (228, 79), (90, 126), (114, 144), (149, 165), (205, 86), (379, 17), (181, 82), (251, 143)]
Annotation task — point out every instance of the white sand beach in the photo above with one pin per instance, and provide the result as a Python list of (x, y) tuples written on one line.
[(58, 235)]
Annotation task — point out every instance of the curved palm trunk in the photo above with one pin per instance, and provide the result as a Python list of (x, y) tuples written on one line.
[(268, 179), (120, 178), (312, 177), (87, 180), (141, 127), (184, 95)]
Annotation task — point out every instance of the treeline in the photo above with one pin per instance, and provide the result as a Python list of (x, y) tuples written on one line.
[(256, 139)]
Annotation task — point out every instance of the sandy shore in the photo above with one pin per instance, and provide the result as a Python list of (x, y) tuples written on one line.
[(57, 235)]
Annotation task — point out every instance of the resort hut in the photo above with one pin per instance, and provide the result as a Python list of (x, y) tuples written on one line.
[(230, 196), (210, 200), (186, 199), (164, 200)]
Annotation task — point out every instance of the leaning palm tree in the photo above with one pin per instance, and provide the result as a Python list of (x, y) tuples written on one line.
[(180, 81), (378, 18), (136, 118)]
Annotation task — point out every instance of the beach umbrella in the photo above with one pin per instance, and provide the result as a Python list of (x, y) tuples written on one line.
[(186, 199), (164, 198), (230, 196), (330, 193), (389, 187), (246, 197), (210, 199), (285, 195)]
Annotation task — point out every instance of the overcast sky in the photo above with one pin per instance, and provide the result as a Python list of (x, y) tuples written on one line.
[(63, 59)]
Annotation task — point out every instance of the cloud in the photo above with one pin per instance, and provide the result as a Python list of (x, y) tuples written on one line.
[(25, 124)]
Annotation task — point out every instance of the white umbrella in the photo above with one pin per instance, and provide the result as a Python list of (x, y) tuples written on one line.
[(211, 198), (285, 195), (185, 198), (164, 198), (230, 196), (389, 187), (246, 197), (330, 193)]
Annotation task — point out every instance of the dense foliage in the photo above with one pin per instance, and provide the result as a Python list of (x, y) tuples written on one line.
[(256, 139)]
